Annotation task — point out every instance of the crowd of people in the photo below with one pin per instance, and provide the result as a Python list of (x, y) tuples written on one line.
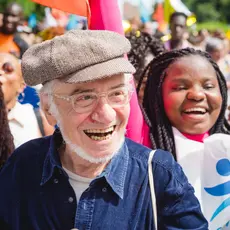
[(80, 122)]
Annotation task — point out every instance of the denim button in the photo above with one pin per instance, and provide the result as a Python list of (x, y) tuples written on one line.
[(104, 189), (70, 199), (56, 181)]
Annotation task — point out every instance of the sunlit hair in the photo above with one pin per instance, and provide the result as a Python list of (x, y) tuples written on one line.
[(161, 134), (142, 44), (6, 138)]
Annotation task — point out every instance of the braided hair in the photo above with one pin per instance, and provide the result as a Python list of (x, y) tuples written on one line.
[(161, 134), (142, 43), (6, 139)]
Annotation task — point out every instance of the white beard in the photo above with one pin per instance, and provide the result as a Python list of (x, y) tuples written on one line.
[(81, 153), (77, 149)]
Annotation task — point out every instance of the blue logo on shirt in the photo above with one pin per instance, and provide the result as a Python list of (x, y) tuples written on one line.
[(223, 169)]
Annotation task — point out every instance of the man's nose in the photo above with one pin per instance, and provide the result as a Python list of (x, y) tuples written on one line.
[(178, 28), (196, 94), (103, 113)]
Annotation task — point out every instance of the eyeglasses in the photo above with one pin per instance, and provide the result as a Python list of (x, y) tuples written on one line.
[(86, 102)]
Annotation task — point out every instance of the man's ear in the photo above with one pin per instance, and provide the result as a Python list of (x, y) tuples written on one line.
[(45, 106)]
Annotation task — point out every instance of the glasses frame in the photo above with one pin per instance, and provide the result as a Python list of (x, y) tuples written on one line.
[(71, 99)]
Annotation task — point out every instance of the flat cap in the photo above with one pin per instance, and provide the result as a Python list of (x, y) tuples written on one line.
[(77, 56)]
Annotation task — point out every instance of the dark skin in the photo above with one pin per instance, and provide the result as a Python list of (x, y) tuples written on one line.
[(178, 29), (11, 18)]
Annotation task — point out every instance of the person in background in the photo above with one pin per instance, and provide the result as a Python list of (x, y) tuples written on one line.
[(86, 172), (10, 40), (216, 48), (22, 118), (178, 30), (6, 138), (199, 39), (144, 48)]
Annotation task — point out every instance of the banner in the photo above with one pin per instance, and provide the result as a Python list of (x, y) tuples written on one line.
[(207, 166), (79, 7), (216, 181)]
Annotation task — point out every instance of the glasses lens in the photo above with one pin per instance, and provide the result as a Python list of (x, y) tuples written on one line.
[(84, 100), (118, 97), (7, 68)]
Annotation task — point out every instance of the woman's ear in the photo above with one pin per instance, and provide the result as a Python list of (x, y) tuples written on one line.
[(45, 106)]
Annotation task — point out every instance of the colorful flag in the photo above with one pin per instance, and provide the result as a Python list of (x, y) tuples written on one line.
[(79, 7)]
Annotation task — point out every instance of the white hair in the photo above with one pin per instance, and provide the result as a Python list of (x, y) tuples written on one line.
[(47, 90), (128, 77)]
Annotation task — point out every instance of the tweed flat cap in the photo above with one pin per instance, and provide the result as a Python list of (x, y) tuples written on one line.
[(77, 56)]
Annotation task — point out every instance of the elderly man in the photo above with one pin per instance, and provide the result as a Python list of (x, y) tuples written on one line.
[(87, 175)]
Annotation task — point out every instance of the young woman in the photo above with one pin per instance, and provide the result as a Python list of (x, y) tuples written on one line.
[(184, 103), (185, 90)]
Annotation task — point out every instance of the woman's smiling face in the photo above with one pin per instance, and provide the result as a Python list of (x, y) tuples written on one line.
[(191, 95)]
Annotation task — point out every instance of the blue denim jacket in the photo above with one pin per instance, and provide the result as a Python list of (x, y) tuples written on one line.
[(36, 194)]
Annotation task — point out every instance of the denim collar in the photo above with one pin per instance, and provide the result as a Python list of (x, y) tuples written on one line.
[(52, 160), (114, 173)]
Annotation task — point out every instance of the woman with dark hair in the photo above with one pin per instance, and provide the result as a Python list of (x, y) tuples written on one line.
[(180, 80), (6, 139), (184, 103)]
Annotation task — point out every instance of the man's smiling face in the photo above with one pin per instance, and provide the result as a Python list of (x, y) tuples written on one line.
[(98, 134)]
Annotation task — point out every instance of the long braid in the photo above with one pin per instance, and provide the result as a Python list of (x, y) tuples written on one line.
[(161, 133), (6, 139)]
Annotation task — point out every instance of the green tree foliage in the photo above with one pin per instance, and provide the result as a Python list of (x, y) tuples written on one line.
[(210, 10)]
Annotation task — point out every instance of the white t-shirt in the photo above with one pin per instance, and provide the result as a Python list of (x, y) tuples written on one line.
[(79, 184)]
